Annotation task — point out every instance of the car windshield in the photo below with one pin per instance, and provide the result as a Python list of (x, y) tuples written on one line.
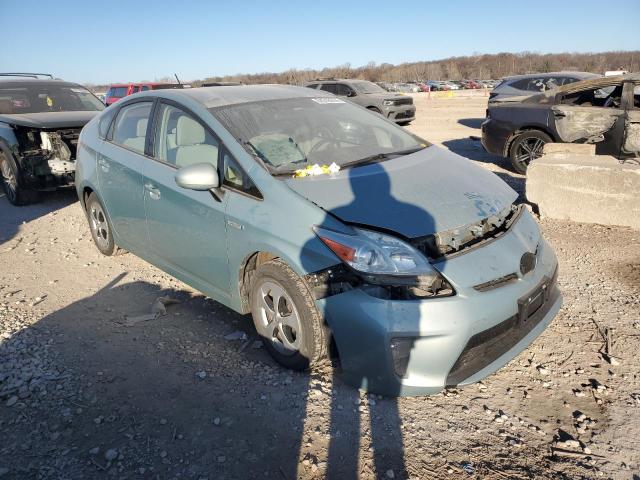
[(295, 133), (368, 87), (47, 98)]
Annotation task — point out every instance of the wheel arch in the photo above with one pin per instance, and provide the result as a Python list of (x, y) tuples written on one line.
[(521, 130)]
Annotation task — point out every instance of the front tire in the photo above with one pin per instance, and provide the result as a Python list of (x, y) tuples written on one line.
[(286, 317), (100, 226), (11, 183), (527, 147)]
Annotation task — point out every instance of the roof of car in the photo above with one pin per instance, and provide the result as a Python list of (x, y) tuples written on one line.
[(25, 81), (580, 75), (230, 95)]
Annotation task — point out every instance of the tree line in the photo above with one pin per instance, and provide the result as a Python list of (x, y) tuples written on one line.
[(476, 66)]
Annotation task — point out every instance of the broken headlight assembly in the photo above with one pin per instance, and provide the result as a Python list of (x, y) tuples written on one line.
[(389, 267)]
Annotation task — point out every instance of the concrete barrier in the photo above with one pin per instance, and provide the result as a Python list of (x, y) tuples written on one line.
[(585, 188)]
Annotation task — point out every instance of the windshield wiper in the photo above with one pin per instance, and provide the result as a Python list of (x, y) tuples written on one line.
[(378, 157)]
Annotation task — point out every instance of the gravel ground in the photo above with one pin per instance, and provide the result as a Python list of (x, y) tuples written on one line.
[(89, 389)]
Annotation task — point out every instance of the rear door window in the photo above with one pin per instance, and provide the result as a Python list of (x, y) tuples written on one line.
[(130, 127)]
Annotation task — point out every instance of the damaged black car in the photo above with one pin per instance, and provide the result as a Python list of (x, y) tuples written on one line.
[(602, 111), (40, 122)]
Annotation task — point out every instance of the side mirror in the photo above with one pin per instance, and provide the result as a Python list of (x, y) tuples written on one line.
[(351, 93), (199, 176)]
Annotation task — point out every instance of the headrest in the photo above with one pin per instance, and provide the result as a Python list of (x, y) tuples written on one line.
[(141, 127), (189, 132)]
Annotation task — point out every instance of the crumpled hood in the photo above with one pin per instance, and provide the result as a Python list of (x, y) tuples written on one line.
[(49, 119), (429, 191)]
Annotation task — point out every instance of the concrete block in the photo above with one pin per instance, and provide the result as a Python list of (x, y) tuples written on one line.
[(585, 188), (579, 148)]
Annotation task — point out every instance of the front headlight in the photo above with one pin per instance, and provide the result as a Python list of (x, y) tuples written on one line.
[(388, 103), (380, 258)]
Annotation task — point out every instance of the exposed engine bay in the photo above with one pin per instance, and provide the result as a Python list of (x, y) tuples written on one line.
[(48, 156)]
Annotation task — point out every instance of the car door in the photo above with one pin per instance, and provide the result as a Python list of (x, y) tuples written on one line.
[(120, 162), (593, 115), (631, 139), (186, 228)]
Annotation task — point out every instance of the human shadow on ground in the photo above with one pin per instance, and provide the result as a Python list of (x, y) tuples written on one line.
[(11, 217), (363, 342)]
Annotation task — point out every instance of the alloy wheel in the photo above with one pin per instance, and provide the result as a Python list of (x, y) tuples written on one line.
[(529, 149), (99, 225), (10, 180), (279, 321)]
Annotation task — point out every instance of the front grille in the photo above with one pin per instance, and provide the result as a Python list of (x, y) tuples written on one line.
[(407, 114), (487, 346), (403, 101)]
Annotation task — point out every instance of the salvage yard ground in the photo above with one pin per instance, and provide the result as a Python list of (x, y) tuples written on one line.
[(90, 389)]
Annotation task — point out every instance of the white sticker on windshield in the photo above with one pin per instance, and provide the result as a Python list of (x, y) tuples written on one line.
[(326, 100)]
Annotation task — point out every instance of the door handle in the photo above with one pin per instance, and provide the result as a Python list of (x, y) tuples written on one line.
[(103, 165), (154, 192)]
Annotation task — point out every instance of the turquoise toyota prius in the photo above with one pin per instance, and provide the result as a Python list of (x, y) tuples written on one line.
[(339, 231)]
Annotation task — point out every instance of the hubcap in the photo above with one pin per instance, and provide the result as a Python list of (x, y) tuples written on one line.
[(99, 225), (529, 149), (278, 320), (9, 179)]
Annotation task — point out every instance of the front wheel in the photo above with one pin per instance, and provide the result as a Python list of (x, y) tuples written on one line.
[(527, 147), (286, 317), (16, 194)]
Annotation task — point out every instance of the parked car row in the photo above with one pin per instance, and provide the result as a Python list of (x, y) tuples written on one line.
[(438, 85)]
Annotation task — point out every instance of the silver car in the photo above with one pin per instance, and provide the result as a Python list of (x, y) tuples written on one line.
[(329, 224)]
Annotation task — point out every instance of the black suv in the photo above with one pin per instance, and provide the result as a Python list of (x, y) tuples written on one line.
[(40, 122)]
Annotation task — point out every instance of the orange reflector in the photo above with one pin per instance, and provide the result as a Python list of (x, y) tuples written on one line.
[(345, 253)]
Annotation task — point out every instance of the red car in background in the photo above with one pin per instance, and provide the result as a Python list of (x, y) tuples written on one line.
[(120, 90)]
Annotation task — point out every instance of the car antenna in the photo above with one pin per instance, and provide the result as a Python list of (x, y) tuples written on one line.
[(176, 75)]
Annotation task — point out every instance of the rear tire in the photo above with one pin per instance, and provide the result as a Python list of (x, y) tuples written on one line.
[(527, 147), (11, 183), (286, 317), (100, 226)]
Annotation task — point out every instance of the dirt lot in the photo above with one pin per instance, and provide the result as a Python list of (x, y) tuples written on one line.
[(87, 393)]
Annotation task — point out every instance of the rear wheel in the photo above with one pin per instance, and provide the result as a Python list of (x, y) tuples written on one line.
[(285, 316), (527, 147), (100, 226), (16, 194)]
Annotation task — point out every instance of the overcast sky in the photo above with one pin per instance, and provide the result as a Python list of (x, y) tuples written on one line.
[(111, 41)]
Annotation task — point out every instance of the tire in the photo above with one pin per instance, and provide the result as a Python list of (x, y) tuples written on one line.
[(12, 183), (100, 226), (375, 110), (300, 339), (527, 147)]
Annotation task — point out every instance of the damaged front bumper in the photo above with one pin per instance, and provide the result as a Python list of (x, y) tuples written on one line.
[(414, 347)]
